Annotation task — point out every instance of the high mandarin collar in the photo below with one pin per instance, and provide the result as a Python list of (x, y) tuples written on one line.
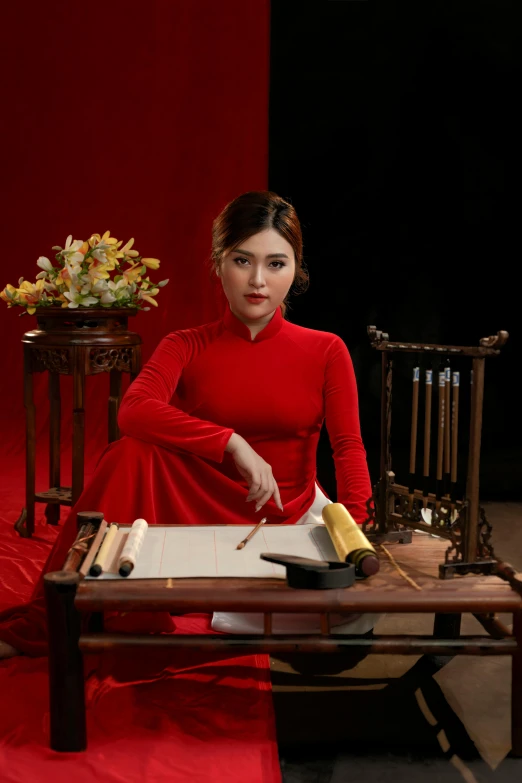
[(233, 324)]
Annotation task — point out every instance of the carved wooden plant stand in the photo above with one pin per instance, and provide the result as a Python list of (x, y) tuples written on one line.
[(78, 343)]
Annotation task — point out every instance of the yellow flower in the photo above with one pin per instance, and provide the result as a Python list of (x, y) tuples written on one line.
[(132, 274), (108, 239), (100, 271), (147, 298), (32, 291), (8, 294), (151, 263), (30, 294), (126, 250)]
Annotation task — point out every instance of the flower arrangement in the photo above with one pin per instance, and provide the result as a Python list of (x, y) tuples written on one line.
[(81, 277)]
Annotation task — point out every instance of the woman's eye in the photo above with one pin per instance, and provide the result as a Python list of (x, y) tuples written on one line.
[(242, 261)]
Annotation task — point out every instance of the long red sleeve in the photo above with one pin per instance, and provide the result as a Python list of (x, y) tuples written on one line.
[(342, 423), (146, 412)]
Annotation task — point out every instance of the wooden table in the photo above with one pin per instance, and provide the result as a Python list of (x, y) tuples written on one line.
[(483, 596)]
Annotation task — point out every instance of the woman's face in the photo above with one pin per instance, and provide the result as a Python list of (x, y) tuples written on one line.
[(263, 265)]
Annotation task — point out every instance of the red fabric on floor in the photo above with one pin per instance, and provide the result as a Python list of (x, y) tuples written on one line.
[(172, 717), (209, 722)]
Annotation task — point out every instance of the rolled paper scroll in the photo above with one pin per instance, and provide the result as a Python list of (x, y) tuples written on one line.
[(131, 549), (102, 558), (349, 541), (93, 551)]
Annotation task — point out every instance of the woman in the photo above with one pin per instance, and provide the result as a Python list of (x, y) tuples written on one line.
[(224, 420)]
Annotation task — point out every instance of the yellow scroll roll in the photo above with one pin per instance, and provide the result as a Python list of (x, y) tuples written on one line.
[(349, 541)]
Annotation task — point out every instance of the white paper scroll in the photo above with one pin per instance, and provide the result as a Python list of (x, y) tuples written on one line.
[(179, 551), (133, 544)]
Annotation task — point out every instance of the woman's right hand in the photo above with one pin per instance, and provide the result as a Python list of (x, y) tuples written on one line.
[(257, 473)]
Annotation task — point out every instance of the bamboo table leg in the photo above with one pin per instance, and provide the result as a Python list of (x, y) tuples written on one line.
[(115, 396), (516, 689), (52, 510), (78, 451), (66, 684)]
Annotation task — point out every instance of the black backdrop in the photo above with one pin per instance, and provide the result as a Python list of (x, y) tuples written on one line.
[(394, 132)]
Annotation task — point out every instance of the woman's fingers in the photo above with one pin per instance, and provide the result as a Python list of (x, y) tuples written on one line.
[(254, 489), (273, 490), (277, 497), (261, 487), (264, 497)]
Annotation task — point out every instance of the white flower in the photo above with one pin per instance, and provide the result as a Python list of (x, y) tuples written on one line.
[(99, 287), (45, 264), (100, 256), (74, 269), (120, 290), (71, 248), (76, 299), (86, 288)]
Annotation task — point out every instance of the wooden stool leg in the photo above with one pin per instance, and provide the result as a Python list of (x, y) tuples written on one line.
[(516, 689), (66, 684), (114, 404), (78, 424), (25, 524), (447, 626), (52, 510), (136, 362)]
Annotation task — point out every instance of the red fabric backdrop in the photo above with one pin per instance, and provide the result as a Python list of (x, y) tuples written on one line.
[(144, 118), (141, 118)]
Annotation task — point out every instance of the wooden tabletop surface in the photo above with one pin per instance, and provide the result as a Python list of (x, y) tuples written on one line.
[(387, 591)]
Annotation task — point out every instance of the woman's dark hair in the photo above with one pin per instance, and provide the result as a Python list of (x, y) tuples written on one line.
[(250, 213)]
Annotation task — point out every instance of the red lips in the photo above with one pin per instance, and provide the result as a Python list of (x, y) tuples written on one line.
[(255, 296)]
